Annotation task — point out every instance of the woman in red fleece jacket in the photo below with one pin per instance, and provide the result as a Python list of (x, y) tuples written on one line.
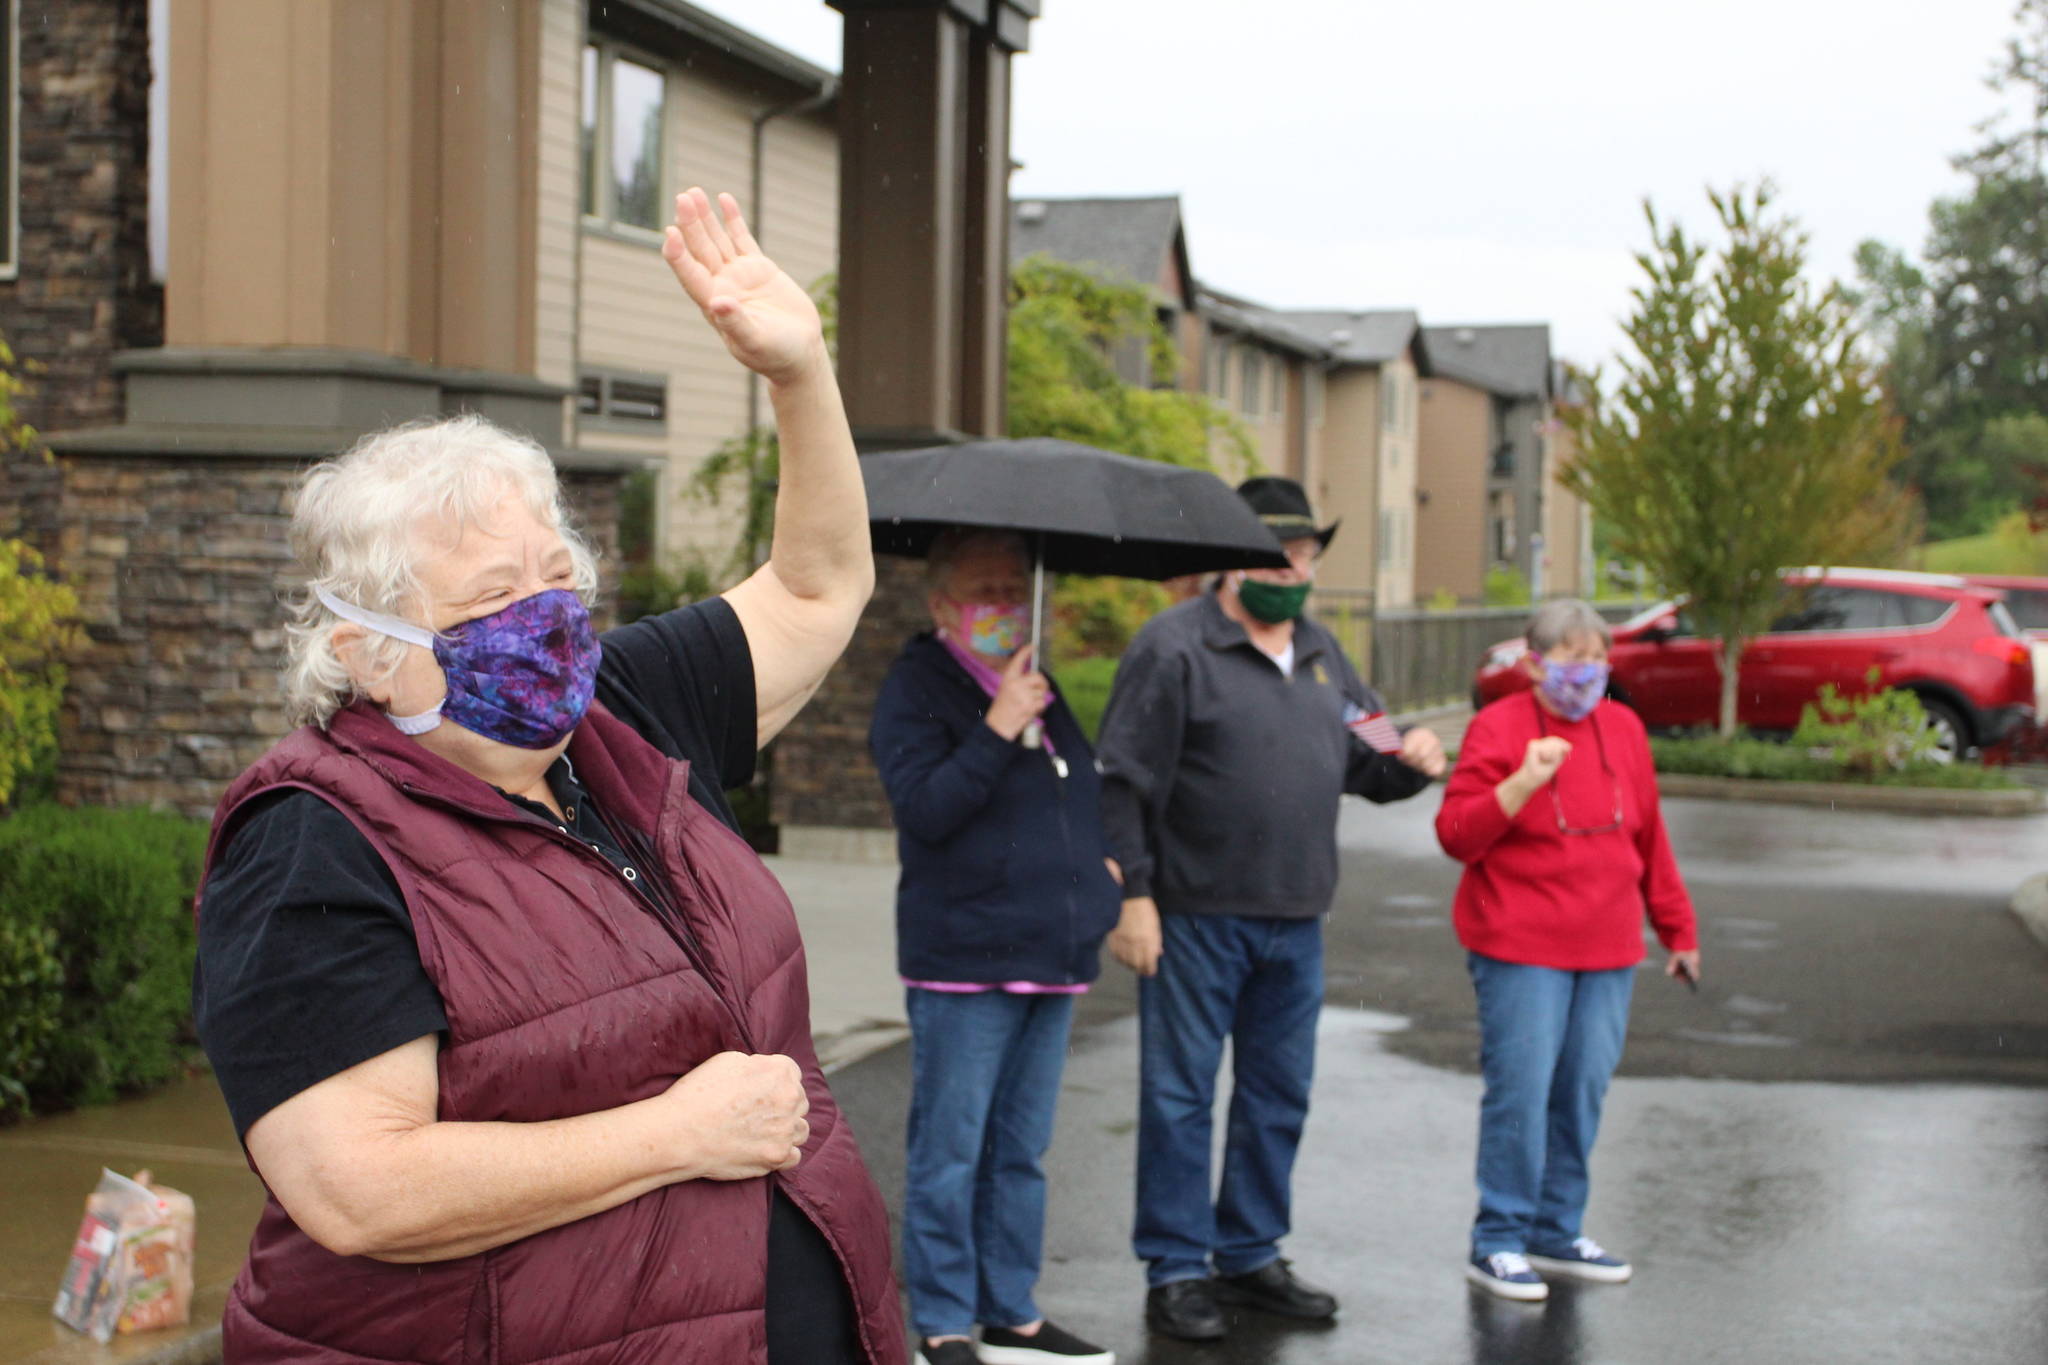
[(1553, 811)]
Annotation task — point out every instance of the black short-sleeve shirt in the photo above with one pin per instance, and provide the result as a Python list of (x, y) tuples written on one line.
[(308, 965)]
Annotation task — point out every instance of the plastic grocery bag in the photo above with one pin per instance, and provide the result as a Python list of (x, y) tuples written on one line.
[(131, 1267)]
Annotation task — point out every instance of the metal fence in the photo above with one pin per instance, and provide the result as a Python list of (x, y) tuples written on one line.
[(1418, 659)]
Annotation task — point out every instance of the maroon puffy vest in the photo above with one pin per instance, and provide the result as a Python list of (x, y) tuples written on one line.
[(565, 996)]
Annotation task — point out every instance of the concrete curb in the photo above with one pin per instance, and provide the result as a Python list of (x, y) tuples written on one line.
[(2030, 903), (189, 1348), (1854, 795)]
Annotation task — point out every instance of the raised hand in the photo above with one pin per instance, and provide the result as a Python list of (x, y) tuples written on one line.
[(764, 317), (1541, 760)]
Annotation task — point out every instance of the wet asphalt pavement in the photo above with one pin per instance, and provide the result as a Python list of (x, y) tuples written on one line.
[(1836, 1151)]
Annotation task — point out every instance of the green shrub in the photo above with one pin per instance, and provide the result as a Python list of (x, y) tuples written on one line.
[(1506, 587), (1882, 732), (1711, 756), (111, 891), (1096, 617), (31, 1005), (37, 624), (1085, 683)]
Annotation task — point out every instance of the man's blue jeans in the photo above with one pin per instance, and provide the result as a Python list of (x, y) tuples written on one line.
[(1549, 1041), (985, 1079), (1258, 982)]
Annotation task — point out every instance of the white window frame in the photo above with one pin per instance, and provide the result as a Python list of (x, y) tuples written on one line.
[(1251, 381), (600, 214)]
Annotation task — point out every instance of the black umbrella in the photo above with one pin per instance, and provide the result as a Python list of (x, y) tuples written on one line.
[(1085, 510), (1089, 511)]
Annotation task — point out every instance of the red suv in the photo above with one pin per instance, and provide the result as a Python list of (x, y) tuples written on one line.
[(1951, 642)]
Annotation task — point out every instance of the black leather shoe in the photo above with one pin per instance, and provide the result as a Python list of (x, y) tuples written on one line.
[(1276, 1289), (1185, 1309)]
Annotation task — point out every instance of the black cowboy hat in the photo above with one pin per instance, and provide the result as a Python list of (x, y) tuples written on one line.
[(1283, 507)]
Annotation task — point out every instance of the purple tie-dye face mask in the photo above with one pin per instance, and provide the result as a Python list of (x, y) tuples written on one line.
[(523, 676), (1574, 688)]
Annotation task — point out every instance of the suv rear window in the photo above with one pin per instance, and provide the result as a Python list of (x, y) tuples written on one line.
[(2029, 607), (2002, 619), (1832, 608), (1918, 610)]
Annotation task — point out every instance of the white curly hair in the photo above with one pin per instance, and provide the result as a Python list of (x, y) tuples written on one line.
[(356, 533)]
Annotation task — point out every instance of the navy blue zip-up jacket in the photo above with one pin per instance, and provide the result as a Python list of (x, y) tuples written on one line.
[(1002, 858)]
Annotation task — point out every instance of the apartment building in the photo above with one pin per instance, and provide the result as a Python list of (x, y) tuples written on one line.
[(1490, 445)]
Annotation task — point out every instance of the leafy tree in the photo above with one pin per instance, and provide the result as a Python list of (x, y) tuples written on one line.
[(1068, 329), (1966, 335), (38, 618), (1745, 434)]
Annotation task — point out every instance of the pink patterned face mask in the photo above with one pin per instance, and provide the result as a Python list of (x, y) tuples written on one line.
[(994, 630)]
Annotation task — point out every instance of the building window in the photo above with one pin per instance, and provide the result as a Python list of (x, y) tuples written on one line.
[(625, 104), (10, 140), (1252, 382), (623, 402)]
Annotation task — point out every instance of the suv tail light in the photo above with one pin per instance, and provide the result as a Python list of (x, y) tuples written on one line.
[(2004, 649)]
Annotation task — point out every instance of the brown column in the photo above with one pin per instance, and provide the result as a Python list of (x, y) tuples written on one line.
[(924, 214), (353, 174), (924, 117)]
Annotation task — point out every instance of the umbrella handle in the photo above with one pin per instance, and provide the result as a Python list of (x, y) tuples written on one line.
[(1034, 729)]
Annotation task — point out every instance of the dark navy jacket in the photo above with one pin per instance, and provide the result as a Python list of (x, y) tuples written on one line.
[(1003, 878)]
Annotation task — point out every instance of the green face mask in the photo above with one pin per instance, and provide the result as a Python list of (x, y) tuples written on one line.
[(1272, 602)]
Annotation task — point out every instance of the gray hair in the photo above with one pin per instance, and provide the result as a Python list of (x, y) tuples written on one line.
[(1556, 622), (953, 544), (356, 534)]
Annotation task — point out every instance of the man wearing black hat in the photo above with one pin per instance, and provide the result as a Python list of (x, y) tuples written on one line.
[(1235, 724)]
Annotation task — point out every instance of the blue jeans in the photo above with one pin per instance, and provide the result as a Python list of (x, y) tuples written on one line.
[(1259, 983), (985, 1078), (1549, 1041)]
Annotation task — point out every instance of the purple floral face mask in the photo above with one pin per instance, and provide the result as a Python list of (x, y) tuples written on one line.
[(1574, 688), (523, 676)]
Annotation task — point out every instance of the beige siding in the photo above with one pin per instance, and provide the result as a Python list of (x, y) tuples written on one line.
[(1567, 527), (633, 317), (1347, 486), (559, 187), (1453, 423)]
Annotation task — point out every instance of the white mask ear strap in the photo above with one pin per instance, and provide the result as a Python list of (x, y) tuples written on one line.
[(376, 620)]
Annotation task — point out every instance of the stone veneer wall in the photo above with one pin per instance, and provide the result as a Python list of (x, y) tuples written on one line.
[(84, 290), (178, 563), (823, 776)]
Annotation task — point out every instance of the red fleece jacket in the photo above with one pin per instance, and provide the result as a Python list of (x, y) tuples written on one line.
[(1535, 894)]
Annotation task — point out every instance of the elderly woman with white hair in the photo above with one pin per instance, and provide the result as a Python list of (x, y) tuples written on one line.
[(512, 1022), (1553, 811)]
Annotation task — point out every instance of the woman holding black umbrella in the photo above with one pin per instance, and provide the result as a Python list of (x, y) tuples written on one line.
[(1005, 897)]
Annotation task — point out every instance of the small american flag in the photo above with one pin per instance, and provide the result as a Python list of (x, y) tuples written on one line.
[(1374, 730)]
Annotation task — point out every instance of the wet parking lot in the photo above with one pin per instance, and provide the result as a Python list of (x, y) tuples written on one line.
[(1836, 1151)]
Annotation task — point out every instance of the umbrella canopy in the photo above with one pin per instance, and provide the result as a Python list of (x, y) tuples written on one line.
[(1092, 511)]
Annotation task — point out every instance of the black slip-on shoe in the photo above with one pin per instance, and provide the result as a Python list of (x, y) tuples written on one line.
[(1051, 1344), (1185, 1309), (1275, 1288), (947, 1353)]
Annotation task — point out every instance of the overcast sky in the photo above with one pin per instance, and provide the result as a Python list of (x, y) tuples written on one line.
[(1485, 160)]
